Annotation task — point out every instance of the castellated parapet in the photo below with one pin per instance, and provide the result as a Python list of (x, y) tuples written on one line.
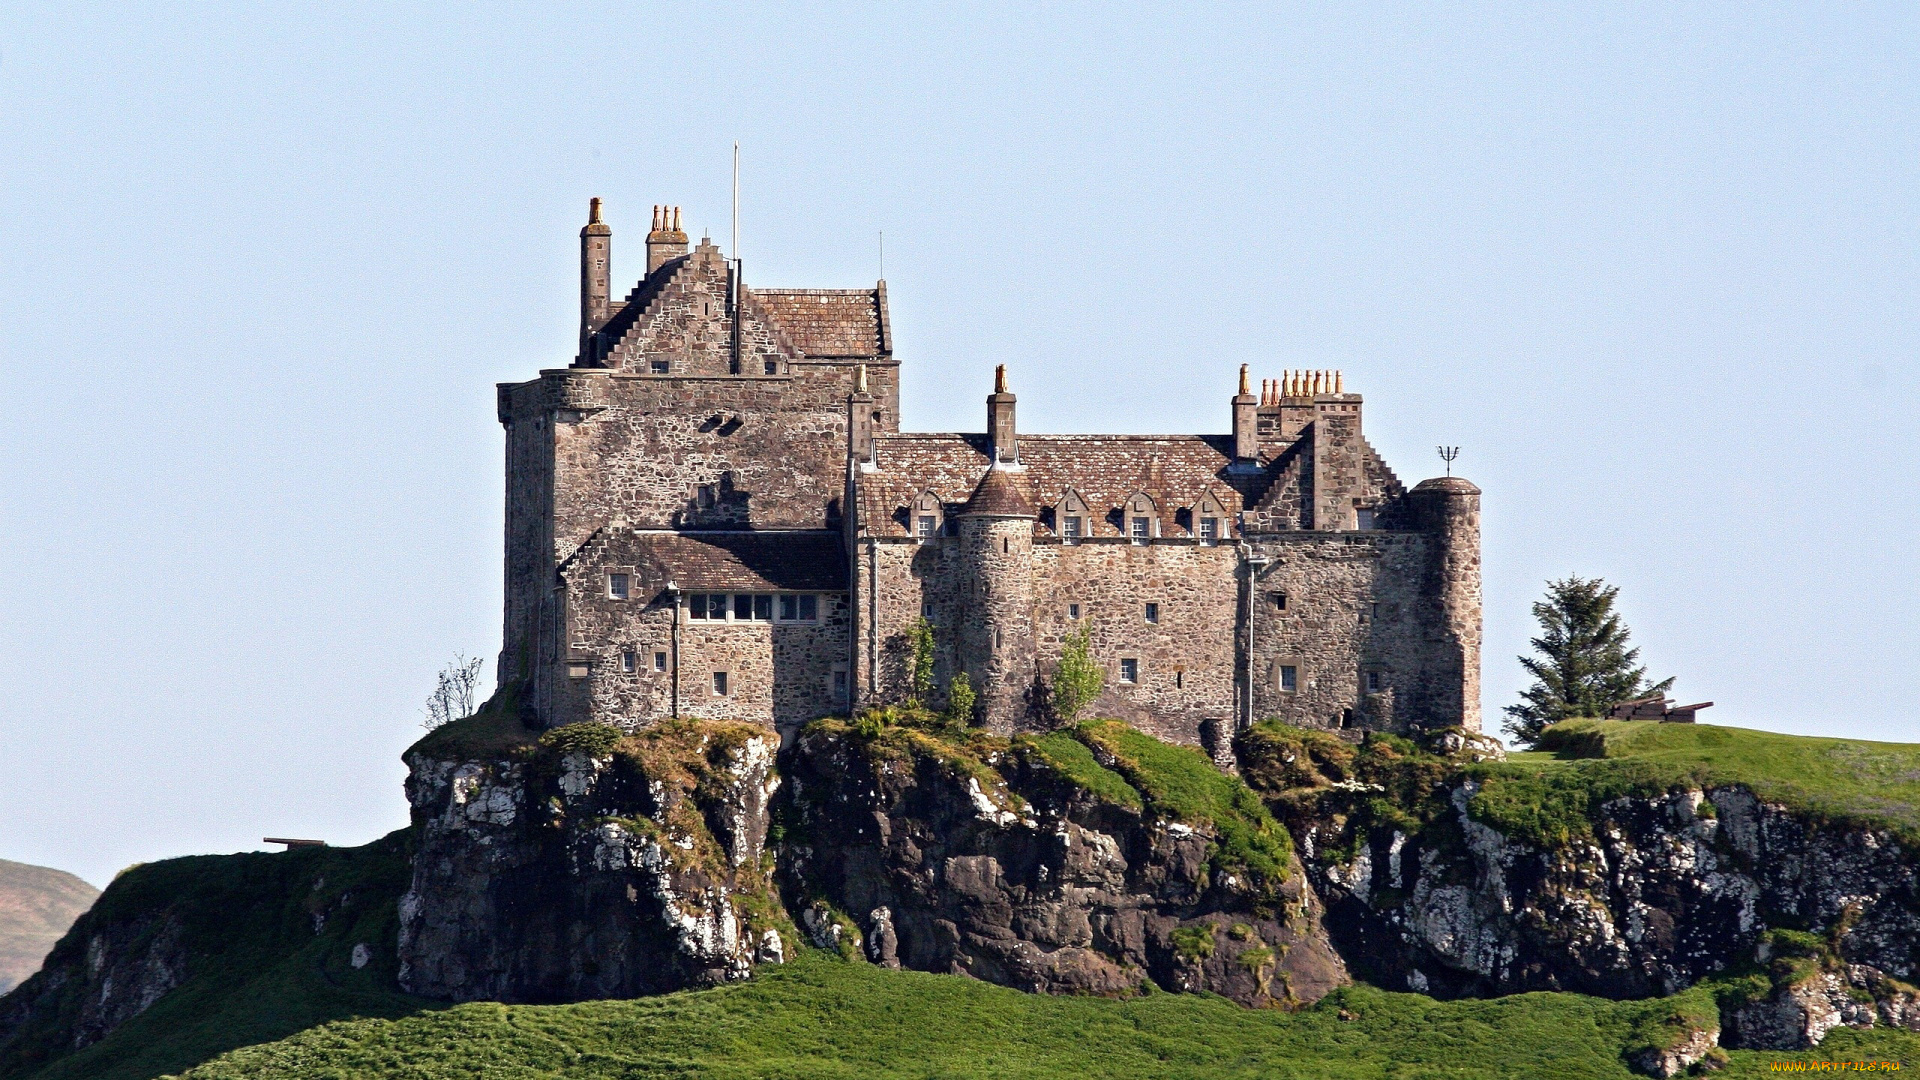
[(713, 512)]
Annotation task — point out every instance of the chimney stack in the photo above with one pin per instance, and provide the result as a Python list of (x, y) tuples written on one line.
[(596, 252), (1246, 423), (666, 241), (1001, 440)]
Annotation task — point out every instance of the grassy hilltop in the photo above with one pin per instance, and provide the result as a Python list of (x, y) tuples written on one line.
[(271, 998)]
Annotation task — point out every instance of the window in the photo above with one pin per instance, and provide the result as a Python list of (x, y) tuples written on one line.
[(617, 586), (789, 608), (1279, 601), (1153, 613), (839, 683), (1364, 519), (661, 367), (926, 610), (696, 605), (1179, 678), (628, 662), (578, 669), (743, 606), (1129, 670), (1073, 611), (926, 527), (720, 683), (1375, 682), (1209, 530), (1070, 530), (659, 661), (773, 367), (763, 608), (1289, 678), (809, 608), (1139, 529)]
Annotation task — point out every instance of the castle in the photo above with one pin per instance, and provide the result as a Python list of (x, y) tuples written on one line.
[(713, 512)]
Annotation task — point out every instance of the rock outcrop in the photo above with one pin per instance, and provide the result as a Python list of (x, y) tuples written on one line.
[(590, 865), (1047, 865)]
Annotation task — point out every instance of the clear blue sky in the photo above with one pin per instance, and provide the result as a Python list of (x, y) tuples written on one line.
[(1652, 266)]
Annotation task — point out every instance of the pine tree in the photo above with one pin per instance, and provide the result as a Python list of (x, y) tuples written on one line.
[(1584, 667)]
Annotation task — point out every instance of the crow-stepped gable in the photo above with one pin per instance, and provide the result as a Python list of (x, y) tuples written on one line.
[(712, 512)]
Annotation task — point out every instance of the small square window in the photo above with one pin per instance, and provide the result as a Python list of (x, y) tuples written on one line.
[(720, 683), (1279, 601), (1153, 613), (742, 606), (1073, 611), (789, 608), (578, 669), (763, 608), (1375, 682), (1289, 678), (659, 661), (617, 586), (773, 367), (628, 662), (1140, 529), (1209, 530), (1364, 519), (661, 367), (1129, 670), (1070, 530), (809, 608), (926, 527)]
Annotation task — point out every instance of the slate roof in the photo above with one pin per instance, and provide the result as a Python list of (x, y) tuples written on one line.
[(1105, 469), (749, 562), (830, 322), (1002, 493)]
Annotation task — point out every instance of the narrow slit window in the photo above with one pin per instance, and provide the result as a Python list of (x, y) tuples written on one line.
[(1129, 670), (617, 586), (1179, 679), (720, 683), (1153, 613)]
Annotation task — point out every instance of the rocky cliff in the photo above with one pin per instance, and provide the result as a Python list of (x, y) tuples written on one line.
[(1454, 875), (37, 905)]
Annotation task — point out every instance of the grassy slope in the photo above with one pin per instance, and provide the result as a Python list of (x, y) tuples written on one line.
[(825, 1018), (258, 971), (1838, 779)]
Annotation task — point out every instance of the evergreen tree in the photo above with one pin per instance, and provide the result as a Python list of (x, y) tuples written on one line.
[(1078, 680), (1584, 667)]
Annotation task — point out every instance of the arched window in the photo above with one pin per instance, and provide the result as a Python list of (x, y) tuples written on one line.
[(1142, 516)]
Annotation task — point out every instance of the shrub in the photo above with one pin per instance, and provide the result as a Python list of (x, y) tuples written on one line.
[(1194, 943), (589, 738), (1078, 680), (920, 641), (960, 699)]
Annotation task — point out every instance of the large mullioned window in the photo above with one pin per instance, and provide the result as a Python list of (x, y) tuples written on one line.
[(754, 607)]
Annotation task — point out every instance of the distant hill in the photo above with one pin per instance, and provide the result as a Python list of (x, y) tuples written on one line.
[(36, 907)]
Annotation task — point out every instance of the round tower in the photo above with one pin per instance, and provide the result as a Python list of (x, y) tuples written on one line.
[(995, 635), (1448, 508)]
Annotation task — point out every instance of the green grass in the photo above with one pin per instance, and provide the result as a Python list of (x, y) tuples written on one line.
[(257, 970), (1183, 784), (823, 1018), (1074, 761), (1841, 780)]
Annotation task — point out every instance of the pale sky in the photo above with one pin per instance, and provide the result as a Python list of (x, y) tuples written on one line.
[(1652, 267)]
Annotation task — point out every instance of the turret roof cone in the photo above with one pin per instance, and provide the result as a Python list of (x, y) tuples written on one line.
[(1001, 493)]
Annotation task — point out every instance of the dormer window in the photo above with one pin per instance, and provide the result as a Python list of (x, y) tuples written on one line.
[(1209, 517), (1072, 514), (1209, 530), (927, 515), (1142, 517)]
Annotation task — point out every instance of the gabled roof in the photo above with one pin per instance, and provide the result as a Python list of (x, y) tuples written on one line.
[(830, 322), (1105, 470)]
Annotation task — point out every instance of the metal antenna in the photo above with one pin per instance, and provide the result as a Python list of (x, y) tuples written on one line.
[(1447, 454)]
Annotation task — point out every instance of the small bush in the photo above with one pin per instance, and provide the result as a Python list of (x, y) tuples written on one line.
[(1193, 943), (592, 739)]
